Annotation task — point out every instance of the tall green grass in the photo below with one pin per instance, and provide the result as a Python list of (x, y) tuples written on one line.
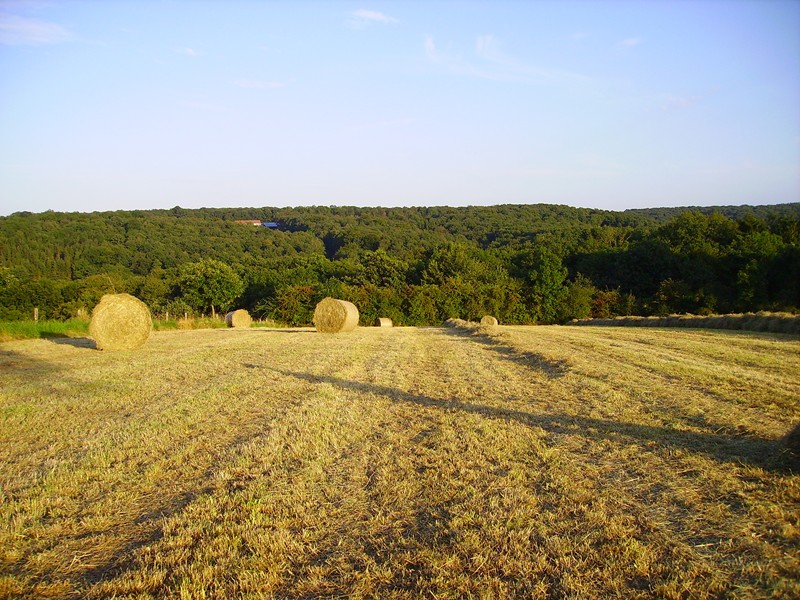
[(24, 330), (190, 323)]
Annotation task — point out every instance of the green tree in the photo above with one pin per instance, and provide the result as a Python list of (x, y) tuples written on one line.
[(209, 283), (448, 262), (755, 252), (294, 305), (577, 302), (382, 270), (420, 304), (544, 275), (155, 289), (674, 296)]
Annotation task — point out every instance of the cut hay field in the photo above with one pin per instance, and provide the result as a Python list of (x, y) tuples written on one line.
[(536, 462)]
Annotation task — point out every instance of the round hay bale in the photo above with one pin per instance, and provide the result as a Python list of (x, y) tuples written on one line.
[(335, 316), (238, 318), (383, 322), (120, 322), (489, 321)]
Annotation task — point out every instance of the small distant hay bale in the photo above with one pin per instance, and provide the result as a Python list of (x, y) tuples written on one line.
[(335, 316), (120, 322), (383, 322), (238, 318), (489, 321)]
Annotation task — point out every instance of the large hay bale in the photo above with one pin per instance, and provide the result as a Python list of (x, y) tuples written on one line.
[(238, 318), (120, 322), (335, 316), (383, 322), (489, 321)]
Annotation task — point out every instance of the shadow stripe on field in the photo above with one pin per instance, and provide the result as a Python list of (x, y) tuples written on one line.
[(724, 448), (551, 367)]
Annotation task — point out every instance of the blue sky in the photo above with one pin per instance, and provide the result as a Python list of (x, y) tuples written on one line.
[(143, 104)]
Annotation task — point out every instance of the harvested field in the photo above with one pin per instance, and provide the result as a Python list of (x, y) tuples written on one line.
[(550, 462)]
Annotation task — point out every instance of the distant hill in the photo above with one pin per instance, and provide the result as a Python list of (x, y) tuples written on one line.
[(420, 264), (662, 215)]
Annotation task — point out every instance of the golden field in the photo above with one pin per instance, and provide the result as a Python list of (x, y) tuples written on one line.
[(536, 462)]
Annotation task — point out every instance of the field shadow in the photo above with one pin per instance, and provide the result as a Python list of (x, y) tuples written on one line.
[(15, 362), (723, 447), (151, 518), (149, 531), (552, 368), (80, 342)]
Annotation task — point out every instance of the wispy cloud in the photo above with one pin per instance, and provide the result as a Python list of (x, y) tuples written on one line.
[(630, 42), (490, 62), (363, 18), (21, 31), (255, 84), (680, 102), (484, 45), (372, 15), (190, 52), (454, 63), (578, 36)]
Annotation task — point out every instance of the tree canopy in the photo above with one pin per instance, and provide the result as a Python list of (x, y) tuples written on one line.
[(521, 263)]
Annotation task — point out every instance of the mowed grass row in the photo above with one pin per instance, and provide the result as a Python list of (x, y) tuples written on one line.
[(511, 462)]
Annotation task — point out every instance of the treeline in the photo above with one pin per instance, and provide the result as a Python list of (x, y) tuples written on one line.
[(418, 266)]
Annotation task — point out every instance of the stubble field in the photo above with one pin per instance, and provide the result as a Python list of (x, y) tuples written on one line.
[(552, 462)]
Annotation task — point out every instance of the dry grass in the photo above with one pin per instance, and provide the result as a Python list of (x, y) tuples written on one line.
[(761, 321), (543, 462)]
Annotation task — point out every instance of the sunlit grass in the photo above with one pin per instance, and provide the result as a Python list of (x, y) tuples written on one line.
[(188, 323), (75, 328), (513, 462), (20, 330)]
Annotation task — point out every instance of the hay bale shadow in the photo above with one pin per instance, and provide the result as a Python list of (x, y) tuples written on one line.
[(724, 448), (554, 368), (790, 450), (81, 342)]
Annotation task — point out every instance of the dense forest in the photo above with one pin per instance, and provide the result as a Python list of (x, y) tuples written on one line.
[(418, 266)]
